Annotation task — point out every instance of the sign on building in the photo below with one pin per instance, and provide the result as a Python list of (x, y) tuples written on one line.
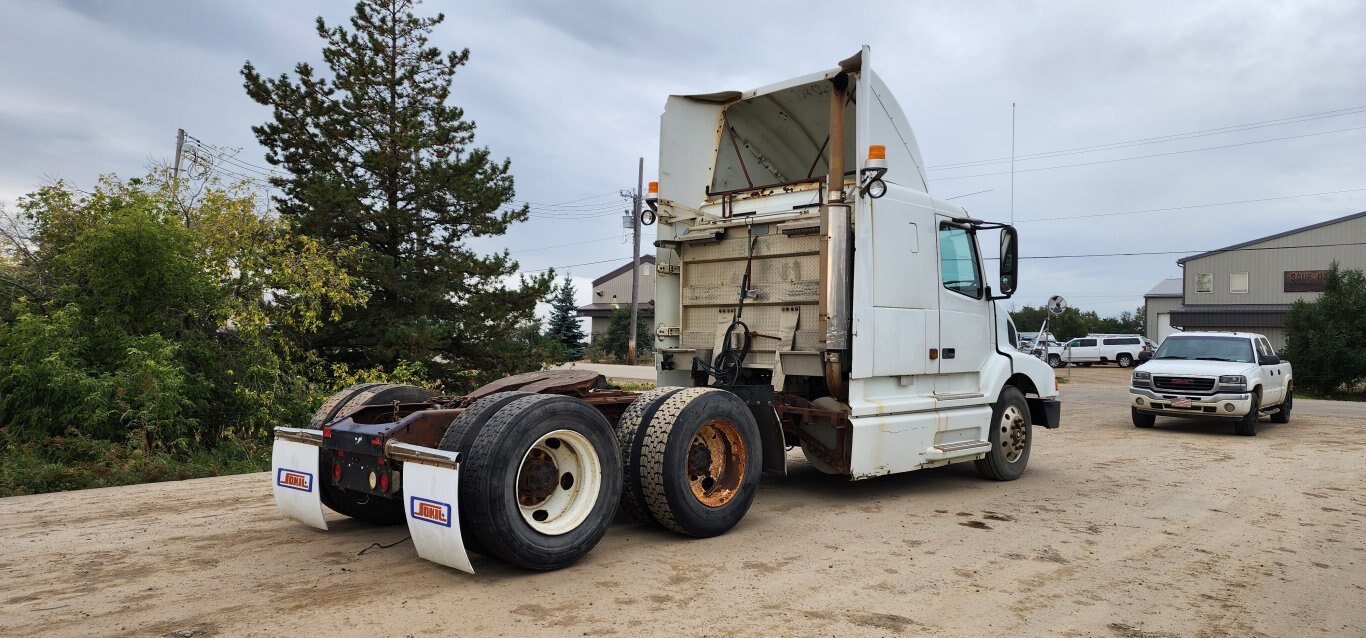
[(1305, 280)]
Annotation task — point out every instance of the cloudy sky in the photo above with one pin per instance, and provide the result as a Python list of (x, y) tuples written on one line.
[(1273, 95)]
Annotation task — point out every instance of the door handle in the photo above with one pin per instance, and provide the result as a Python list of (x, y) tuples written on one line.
[(948, 353)]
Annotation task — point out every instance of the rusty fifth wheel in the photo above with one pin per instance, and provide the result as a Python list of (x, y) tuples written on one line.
[(1011, 436), (699, 461), (358, 505), (544, 478)]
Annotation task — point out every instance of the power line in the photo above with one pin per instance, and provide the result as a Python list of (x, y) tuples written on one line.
[(1137, 157), (572, 243), (1159, 139), (589, 263), (1172, 208)]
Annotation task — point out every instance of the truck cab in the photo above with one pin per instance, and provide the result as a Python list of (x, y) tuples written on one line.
[(799, 214)]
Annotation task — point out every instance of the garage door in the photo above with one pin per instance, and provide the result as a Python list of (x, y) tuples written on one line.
[(1164, 326)]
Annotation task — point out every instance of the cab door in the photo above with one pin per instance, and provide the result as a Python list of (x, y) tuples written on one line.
[(1082, 350), (966, 337)]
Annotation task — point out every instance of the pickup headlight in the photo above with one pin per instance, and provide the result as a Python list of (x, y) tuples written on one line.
[(1233, 383), (1142, 379)]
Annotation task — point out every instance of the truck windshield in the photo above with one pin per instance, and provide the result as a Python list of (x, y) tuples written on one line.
[(1236, 349)]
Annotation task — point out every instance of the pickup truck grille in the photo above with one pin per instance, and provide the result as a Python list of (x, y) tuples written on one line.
[(1189, 385)]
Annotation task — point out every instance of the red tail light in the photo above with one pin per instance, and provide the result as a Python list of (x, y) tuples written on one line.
[(384, 481), (336, 472), (327, 433)]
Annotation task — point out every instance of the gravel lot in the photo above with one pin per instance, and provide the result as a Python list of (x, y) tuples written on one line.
[(1184, 530)]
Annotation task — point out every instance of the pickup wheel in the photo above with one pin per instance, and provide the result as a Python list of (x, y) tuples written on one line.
[(543, 478), (1247, 426), (631, 429), (1283, 415), (1142, 419), (1056, 361), (1124, 360), (700, 461), (1010, 437)]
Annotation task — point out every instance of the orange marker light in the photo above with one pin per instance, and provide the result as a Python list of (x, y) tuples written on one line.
[(653, 189), (877, 152)]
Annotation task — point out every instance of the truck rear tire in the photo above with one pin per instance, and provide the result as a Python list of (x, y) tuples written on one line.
[(700, 460), (541, 481), (460, 436), (329, 409), (630, 434), (1124, 360), (364, 507), (1011, 437), (1056, 361), (1283, 415), (1142, 419), (1247, 426)]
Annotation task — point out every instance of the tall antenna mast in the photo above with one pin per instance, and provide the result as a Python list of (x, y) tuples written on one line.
[(1012, 163)]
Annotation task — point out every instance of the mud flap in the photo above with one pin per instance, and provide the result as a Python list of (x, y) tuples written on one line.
[(431, 485), (294, 472)]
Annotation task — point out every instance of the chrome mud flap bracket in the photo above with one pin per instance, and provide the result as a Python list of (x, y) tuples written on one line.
[(431, 487), (294, 474)]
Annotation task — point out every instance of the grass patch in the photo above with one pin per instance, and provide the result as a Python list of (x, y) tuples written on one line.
[(1063, 380), (61, 463), (633, 386)]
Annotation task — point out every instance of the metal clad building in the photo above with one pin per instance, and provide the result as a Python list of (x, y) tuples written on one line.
[(1157, 307), (1250, 286)]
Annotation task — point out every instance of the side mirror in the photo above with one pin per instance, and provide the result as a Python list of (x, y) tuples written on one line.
[(1271, 360), (1145, 356), (1010, 260)]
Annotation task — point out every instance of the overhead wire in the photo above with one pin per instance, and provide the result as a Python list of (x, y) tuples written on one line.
[(1138, 157), (1188, 207), (1158, 139)]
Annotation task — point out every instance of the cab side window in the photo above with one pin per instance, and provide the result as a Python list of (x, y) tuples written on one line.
[(958, 261), (1264, 349)]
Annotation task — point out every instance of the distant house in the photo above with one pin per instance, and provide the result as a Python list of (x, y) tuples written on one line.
[(1250, 286), (613, 290)]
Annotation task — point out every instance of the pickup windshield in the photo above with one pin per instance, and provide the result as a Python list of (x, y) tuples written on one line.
[(1235, 349)]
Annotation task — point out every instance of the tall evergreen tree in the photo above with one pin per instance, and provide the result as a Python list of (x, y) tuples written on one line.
[(377, 159), (564, 325)]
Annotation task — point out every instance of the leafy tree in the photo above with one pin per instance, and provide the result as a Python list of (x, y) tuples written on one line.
[(616, 341), (1325, 336), (564, 327), (378, 160), (133, 313)]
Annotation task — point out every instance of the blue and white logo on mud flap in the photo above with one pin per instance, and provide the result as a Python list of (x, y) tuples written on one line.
[(294, 480), (431, 511)]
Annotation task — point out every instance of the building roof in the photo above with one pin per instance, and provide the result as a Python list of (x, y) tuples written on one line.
[(645, 308), (1245, 244), (1167, 288), (624, 268)]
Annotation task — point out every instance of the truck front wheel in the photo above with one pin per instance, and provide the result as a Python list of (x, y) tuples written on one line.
[(1010, 437), (541, 481), (1142, 419), (1247, 426), (699, 462), (1056, 361)]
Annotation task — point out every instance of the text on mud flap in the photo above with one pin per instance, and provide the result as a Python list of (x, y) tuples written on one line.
[(294, 480), (431, 511)]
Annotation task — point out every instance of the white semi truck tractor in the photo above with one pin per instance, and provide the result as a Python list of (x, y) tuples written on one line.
[(811, 293)]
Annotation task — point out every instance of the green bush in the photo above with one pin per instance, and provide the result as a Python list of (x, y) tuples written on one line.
[(1326, 337)]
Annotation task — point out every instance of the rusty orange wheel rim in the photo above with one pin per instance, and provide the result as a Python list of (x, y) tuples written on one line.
[(716, 463)]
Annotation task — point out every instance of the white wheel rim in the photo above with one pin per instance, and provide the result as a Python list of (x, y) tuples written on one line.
[(1013, 435), (557, 504)]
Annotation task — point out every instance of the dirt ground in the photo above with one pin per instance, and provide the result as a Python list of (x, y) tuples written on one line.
[(1184, 530)]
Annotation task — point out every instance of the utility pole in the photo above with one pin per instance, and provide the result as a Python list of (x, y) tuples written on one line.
[(635, 262), (179, 150)]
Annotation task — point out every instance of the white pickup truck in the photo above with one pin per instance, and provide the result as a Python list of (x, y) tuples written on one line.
[(1229, 375)]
